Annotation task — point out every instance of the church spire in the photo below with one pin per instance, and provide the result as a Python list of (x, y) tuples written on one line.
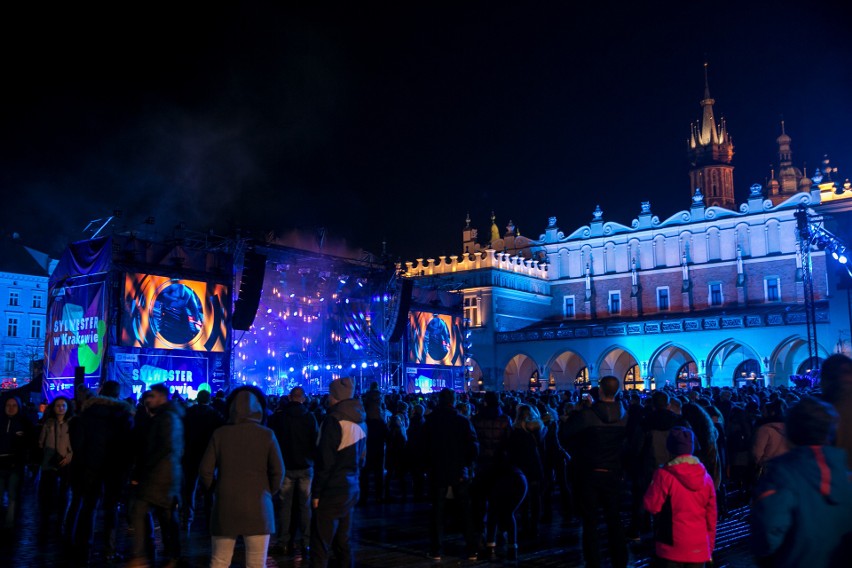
[(709, 134)]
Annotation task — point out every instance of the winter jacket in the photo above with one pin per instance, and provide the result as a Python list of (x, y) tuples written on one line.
[(296, 431), (15, 437), (656, 428), (601, 432), (769, 442), (525, 453), (802, 513), (248, 471), (341, 451), (55, 442), (683, 498), (374, 405), (492, 431), (101, 437), (159, 471), (199, 424), (451, 447)]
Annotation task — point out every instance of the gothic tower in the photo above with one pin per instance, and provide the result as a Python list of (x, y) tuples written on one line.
[(710, 154), (790, 178)]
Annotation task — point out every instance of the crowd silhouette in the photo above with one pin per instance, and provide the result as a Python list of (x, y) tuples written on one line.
[(284, 474)]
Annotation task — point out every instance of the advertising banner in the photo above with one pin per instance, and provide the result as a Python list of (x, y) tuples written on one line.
[(174, 313), (76, 330), (184, 374)]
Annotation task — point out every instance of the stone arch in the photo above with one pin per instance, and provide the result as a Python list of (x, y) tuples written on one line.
[(615, 361), (667, 360), (790, 356), (564, 367), (725, 358), (517, 372)]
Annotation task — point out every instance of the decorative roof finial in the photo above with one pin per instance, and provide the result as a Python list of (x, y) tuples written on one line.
[(597, 214), (706, 82), (467, 221)]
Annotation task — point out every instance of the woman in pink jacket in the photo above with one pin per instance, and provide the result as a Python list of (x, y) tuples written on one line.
[(682, 499)]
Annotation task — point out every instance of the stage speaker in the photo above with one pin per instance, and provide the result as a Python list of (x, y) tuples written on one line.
[(399, 310), (79, 376), (251, 286)]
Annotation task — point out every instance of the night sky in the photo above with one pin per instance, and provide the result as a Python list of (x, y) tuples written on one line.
[(394, 121)]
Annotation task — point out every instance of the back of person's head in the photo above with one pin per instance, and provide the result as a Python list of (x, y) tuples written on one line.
[(660, 400), (491, 399), (203, 397), (297, 394), (111, 389), (811, 422), (463, 408), (609, 386), (160, 388), (776, 409), (836, 377), (374, 386), (447, 397)]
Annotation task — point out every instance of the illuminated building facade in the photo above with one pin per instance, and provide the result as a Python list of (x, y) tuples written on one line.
[(712, 295)]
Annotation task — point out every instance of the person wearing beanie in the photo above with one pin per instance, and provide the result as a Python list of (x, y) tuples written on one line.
[(802, 510), (682, 498), (341, 452)]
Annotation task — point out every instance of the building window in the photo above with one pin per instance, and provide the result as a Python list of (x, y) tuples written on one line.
[(38, 300), (14, 297), (772, 289), (614, 302), (35, 329), (9, 362), (715, 294), (663, 299), (12, 327), (568, 307), (471, 311)]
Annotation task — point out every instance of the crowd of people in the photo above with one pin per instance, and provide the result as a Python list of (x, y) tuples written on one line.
[(285, 474)]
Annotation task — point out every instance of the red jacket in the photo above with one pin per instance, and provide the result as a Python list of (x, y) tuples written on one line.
[(685, 524)]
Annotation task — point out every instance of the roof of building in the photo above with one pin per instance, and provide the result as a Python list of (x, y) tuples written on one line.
[(15, 258)]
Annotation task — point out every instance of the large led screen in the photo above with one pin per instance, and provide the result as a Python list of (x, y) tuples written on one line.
[(435, 339), (174, 313)]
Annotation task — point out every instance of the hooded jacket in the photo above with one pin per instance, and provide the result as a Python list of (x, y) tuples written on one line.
[(341, 451), (296, 431), (683, 497), (159, 471), (769, 442), (601, 432), (802, 513), (101, 437), (245, 461)]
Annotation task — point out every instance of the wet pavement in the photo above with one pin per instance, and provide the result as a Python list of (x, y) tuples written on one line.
[(384, 535)]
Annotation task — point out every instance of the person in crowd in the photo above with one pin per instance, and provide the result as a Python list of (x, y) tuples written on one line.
[(15, 435), (525, 450), (555, 463), (296, 431), (770, 440), (341, 453), (682, 499), (157, 478), (450, 450), (492, 428), (601, 430), (101, 439), (377, 437), (219, 403), (836, 382), (413, 449), (244, 460), (706, 435), (395, 456), (739, 433), (507, 492), (199, 423), (802, 511), (57, 453)]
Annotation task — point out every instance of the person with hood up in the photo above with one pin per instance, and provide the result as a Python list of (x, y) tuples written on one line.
[(601, 433), (769, 439), (682, 498), (15, 432), (341, 452), (245, 461), (802, 511), (157, 478)]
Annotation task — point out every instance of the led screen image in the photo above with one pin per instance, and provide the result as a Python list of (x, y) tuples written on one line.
[(435, 339), (174, 313)]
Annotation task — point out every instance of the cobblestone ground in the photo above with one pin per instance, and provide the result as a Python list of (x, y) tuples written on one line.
[(385, 535)]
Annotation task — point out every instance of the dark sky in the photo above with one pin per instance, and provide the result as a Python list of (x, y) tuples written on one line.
[(393, 121)]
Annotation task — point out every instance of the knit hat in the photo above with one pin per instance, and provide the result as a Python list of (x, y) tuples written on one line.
[(681, 441), (341, 389)]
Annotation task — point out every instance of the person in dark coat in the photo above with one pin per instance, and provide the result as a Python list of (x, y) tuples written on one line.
[(296, 431), (377, 437), (157, 477), (341, 452), (802, 511), (15, 435), (199, 424), (102, 445), (492, 431), (450, 450), (525, 449), (244, 459), (601, 433)]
